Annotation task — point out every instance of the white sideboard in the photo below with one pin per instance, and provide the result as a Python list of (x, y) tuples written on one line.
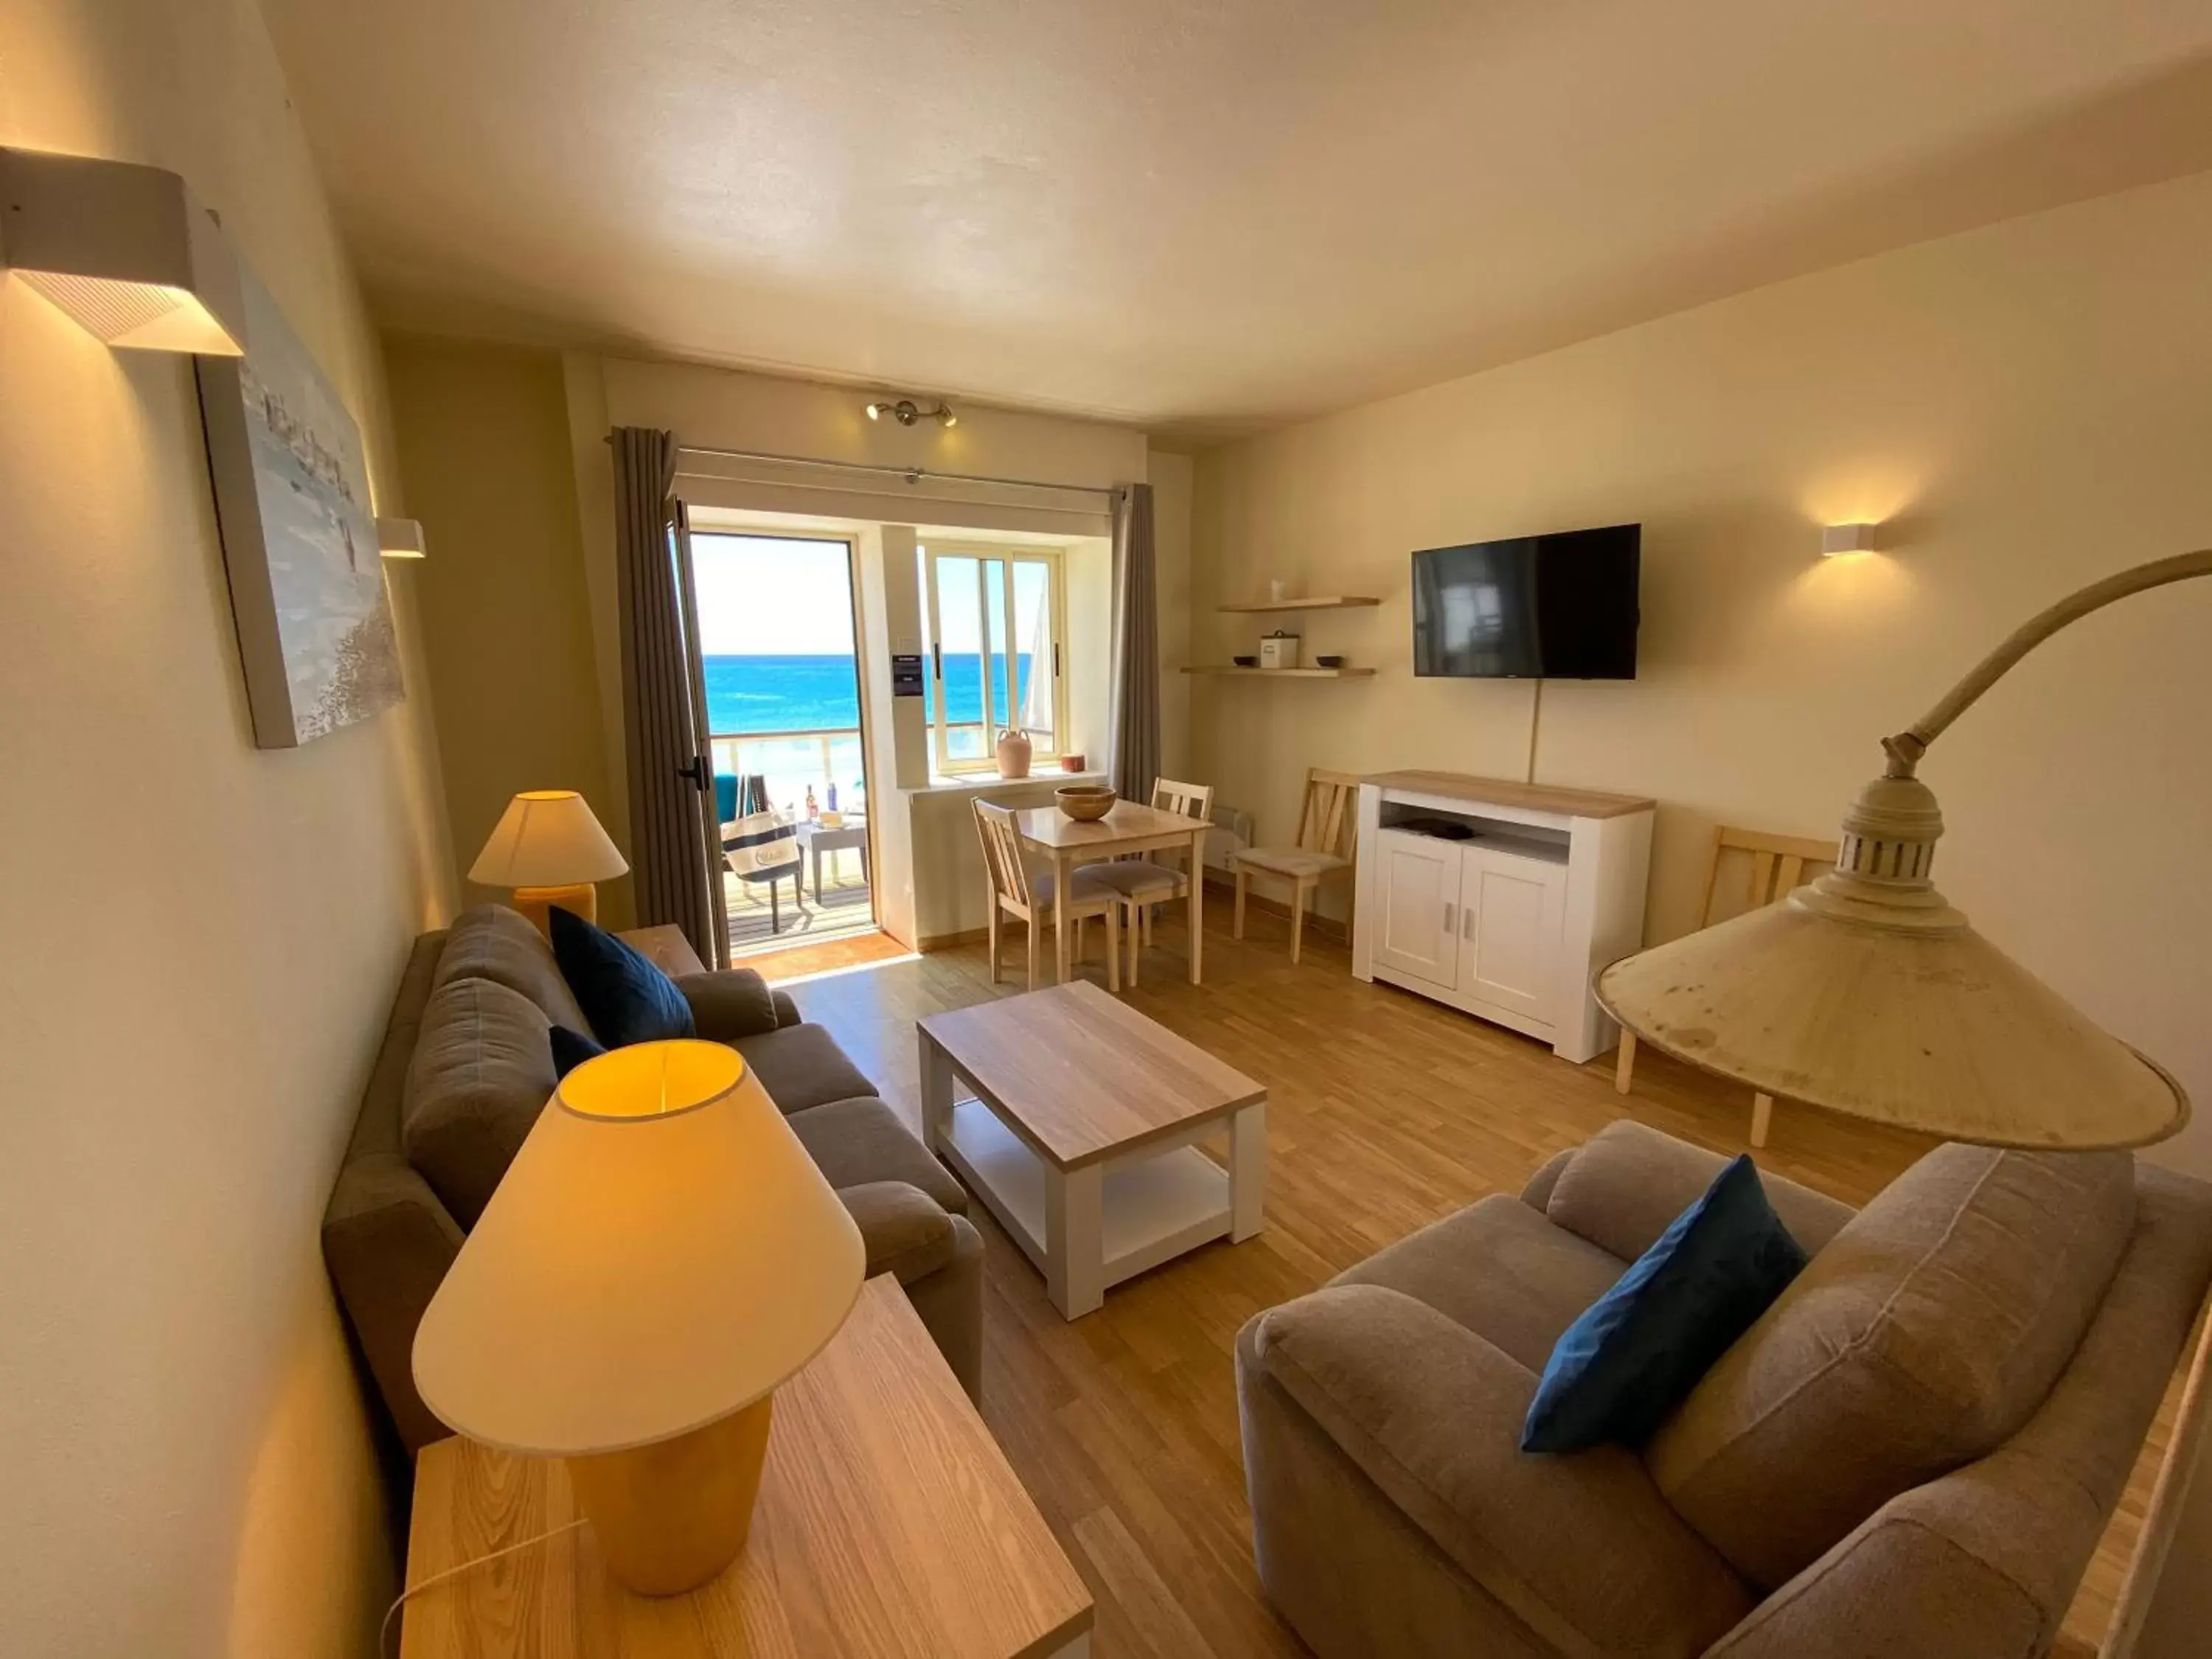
[(1501, 899)]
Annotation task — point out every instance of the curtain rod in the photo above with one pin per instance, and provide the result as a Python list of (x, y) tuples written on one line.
[(913, 475)]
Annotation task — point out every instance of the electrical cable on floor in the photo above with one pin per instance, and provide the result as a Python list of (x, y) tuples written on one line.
[(383, 1631)]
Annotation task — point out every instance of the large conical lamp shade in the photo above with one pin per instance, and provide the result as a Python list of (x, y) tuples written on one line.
[(1872, 1005), (1867, 994), (661, 1254)]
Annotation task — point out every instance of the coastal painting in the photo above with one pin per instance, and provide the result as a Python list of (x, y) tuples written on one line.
[(298, 537)]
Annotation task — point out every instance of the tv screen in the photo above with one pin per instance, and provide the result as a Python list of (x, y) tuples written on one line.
[(1560, 607)]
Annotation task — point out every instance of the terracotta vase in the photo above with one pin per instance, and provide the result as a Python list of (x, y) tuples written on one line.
[(1014, 751)]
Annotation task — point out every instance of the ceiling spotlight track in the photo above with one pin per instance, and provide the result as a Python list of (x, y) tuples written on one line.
[(907, 412)]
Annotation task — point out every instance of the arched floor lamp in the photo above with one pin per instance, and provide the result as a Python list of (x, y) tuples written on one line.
[(1868, 994)]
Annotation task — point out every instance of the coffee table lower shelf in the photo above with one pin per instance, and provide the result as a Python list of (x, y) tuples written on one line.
[(1151, 1209)]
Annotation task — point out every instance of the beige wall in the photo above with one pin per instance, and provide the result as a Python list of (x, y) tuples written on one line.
[(484, 436), (204, 936), (2026, 407)]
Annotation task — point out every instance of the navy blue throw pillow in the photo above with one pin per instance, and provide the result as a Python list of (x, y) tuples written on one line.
[(1623, 1367), (622, 994), (570, 1048)]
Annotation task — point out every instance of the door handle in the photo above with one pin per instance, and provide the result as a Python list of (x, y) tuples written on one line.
[(1467, 921), (699, 774), (1451, 918)]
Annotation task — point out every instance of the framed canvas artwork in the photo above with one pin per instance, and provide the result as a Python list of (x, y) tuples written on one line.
[(298, 537)]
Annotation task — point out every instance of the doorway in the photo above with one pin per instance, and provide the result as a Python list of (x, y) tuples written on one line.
[(780, 669)]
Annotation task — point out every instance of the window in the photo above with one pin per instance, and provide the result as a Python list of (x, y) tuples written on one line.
[(996, 626)]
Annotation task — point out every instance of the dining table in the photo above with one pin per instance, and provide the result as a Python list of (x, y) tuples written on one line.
[(1128, 827)]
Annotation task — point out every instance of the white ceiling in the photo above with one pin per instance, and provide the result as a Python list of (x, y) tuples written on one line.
[(1202, 217)]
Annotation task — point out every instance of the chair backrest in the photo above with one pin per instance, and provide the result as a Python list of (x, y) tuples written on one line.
[(1329, 820), (1189, 800), (1002, 853), (1775, 867)]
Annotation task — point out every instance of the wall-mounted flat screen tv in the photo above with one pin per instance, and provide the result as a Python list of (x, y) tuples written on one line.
[(1562, 606)]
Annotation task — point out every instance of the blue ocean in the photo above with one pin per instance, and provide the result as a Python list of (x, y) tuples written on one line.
[(748, 695)]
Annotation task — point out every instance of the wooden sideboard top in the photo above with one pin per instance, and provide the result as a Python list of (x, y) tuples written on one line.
[(1531, 797)]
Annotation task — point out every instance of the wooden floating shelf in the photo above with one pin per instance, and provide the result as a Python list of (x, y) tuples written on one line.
[(1286, 673), (1340, 601)]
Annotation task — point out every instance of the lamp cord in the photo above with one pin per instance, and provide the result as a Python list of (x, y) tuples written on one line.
[(383, 1631), (1906, 747)]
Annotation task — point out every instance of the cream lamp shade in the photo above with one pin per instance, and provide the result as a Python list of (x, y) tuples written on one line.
[(661, 1254), (125, 251), (1868, 993), (547, 838)]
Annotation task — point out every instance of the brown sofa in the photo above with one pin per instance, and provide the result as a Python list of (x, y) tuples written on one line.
[(466, 1068), (1911, 1455)]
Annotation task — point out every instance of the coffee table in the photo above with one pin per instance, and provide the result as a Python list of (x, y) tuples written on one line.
[(889, 1525), (1079, 1138)]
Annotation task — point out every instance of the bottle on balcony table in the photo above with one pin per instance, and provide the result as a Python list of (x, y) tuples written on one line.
[(833, 797), (813, 807)]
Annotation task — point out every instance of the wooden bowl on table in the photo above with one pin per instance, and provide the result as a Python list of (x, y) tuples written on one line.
[(1084, 802)]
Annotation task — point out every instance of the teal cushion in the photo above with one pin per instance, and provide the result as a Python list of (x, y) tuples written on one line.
[(1634, 1355), (626, 998)]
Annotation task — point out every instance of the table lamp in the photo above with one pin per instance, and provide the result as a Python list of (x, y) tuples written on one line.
[(661, 1254), (551, 850), (1868, 994)]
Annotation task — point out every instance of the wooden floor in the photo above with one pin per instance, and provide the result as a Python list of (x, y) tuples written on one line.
[(844, 908), (1385, 1112)]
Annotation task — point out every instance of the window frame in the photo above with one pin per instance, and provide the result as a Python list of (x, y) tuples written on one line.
[(995, 716)]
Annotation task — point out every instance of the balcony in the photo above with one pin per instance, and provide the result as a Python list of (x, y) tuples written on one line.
[(823, 891)]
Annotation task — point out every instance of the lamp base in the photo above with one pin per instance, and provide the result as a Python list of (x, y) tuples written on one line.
[(580, 899), (670, 1516)]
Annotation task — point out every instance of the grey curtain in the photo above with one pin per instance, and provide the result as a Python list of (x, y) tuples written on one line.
[(1135, 730), (671, 776)]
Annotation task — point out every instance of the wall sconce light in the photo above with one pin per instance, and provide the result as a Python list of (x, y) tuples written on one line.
[(906, 412), (400, 538), (1846, 539), (126, 251)]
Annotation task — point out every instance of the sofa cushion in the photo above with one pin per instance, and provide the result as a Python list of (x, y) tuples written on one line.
[(856, 1141), (495, 942), (802, 1065), (1501, 1270), (623, 995), (1628, 1361), (481, 1072), (1624, 1188), (1583, 1550), (1926, 1333), (729, 1003)]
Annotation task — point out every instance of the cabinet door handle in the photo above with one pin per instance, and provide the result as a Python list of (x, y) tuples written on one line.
[(1467, 922), (1451, 918)]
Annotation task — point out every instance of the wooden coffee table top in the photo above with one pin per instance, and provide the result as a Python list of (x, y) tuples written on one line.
[(1082, 1076), (888, 1524)]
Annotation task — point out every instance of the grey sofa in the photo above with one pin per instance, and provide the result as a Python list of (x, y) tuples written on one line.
[(1911, 1455), (462, 1072)]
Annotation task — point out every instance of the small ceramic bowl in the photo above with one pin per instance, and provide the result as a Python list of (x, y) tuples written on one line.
[(1328, 662), (1246, 662), (1084, 802)]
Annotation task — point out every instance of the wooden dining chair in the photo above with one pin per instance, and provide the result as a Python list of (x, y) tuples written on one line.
[(1146, 881), (1327, 824), (1030, 898), (1775, 867)]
